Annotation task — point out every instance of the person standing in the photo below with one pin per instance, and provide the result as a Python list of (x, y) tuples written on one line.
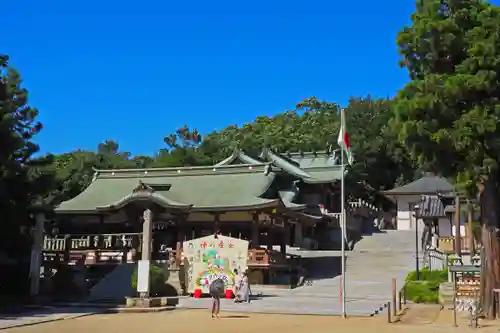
[(236, 284), (216, 289), (244, 290)]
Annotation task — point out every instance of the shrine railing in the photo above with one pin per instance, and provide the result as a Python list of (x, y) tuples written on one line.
[(91, 242), (116, 245)]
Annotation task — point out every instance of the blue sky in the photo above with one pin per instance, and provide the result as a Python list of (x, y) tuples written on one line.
[(135, 71)]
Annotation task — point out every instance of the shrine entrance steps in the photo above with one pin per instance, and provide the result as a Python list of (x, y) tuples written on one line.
[(371, 266)]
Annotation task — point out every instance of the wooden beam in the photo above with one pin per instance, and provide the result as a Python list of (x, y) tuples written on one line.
[(255, 232), (458, 249), (470, 230), (216, 223)]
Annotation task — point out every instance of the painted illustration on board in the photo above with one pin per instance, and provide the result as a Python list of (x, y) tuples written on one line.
[(210, 258)]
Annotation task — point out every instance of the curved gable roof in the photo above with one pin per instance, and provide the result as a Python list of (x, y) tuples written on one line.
[(428, 184)]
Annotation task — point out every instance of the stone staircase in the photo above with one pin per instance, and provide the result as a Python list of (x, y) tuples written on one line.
[(375, 260)]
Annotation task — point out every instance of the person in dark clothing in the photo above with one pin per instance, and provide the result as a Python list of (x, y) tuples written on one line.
[(216, 289)]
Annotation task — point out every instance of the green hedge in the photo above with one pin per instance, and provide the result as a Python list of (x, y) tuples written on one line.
[(157, 280), (426, 274), (426, 290)]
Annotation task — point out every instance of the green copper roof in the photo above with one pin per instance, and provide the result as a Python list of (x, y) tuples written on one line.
[(234, 187), (428, 184), (314, 159), (288, 195), (238, 155), (282, 163), (312, 168)]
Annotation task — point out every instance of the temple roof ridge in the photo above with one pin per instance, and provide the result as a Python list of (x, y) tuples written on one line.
[(241, 155), (182, 171), (428, 184)]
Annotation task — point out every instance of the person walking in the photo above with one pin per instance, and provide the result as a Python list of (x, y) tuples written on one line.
[(216, 289)]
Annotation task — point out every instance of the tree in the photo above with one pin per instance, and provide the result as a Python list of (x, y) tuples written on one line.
[(377, 150), (21, 183), (182, 149), (314, 126), (448, 113)]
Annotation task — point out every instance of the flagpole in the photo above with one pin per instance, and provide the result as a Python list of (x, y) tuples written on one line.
[(343, 225)]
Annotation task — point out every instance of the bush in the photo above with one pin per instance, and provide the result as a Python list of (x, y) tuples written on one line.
[(422, 291), (428, 275), (156, 278), (426, 290)]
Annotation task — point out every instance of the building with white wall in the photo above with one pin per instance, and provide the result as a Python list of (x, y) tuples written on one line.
[(410, 195)]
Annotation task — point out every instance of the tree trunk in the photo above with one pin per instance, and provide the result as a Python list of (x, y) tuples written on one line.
[(490, 270)]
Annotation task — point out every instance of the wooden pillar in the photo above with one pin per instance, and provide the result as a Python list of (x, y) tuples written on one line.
[(255, 232), (270, 234), (36, 254), (298, 234), (470, 230), (101, 224), (284, 236), (216, 223), (143, 274), (458, 249)]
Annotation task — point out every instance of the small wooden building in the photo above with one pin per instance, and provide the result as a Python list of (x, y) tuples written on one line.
[(410, 195)]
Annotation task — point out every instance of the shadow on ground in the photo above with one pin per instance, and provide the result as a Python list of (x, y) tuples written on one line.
[(39, 311), (324, 267)]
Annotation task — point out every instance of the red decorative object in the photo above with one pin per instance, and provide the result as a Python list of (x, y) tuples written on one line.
[(229, 294), (197, 293)]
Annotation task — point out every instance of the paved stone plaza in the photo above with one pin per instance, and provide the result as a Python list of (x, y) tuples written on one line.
[(44, 315), (375, 260), (370, 267)]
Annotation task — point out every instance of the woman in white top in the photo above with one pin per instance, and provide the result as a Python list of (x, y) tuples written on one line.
[(236, 285)]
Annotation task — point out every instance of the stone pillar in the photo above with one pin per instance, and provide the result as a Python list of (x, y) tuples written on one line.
[(298, 234), (255, 231), (147, 231), (36, 254), (181, 236)]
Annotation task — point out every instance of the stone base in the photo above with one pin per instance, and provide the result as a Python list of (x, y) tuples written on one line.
[(150, 302), (446, 293), (174, 279)]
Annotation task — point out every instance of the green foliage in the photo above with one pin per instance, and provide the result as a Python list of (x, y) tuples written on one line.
[(425, 290), (428, 275), (422, 291), (448, 113), (21, 182), (157, 280)]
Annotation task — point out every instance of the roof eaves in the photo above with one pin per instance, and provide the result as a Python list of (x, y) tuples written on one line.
[(151, 196), (228, 160), (261, 205), (393, 192), (285, 165), (238, 154), (184, 171)]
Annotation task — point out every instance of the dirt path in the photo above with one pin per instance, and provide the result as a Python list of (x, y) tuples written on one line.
[(189, 321), (420, 314)]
